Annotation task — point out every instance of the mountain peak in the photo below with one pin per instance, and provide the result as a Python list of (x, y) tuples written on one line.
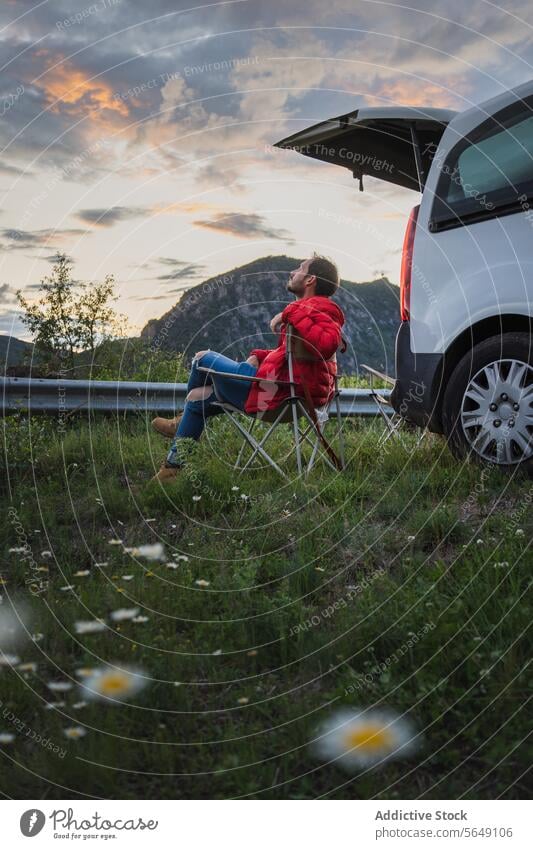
[(231, 313)]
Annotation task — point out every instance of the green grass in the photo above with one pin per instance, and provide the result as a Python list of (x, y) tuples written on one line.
[(279, 623)]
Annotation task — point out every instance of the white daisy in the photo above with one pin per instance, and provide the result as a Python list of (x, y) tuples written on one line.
[(113, 684), (127, 577), (74, 732), (114, 542), (92, 626), (201, 583), (27, 667), (356, 739), (59, 686), (82, 573), (85, 671), (124, 613), (9, 659), (139, 620), (154, 551), (6, 738), (196, 497)]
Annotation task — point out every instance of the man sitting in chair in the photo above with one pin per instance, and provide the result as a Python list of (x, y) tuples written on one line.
[(316, 320)]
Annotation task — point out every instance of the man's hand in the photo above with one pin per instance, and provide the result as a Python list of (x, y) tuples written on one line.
[(275, 322), (253, 361)]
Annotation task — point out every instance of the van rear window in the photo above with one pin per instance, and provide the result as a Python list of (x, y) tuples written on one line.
[(488, 173)]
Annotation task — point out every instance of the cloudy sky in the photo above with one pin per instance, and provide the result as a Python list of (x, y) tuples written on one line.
[(136, 137)]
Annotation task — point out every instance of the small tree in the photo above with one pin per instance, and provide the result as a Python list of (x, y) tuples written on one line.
[(70, 317)]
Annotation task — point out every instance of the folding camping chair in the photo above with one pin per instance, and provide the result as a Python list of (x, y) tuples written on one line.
[(394, 422), (298, 405)]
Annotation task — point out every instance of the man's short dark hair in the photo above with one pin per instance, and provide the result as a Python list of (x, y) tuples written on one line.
[(326, 273)]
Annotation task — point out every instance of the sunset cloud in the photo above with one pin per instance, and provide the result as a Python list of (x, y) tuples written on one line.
[(244, 225)]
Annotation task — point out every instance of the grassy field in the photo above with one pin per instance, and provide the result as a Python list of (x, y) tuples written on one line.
[(400, 584)]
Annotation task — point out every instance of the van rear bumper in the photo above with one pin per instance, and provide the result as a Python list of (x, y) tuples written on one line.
[(415, 391)]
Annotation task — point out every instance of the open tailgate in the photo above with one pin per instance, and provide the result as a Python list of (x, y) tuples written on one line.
[(395, 144)]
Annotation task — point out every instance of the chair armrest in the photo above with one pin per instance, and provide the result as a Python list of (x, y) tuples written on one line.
[(375, 373), (244, 377)]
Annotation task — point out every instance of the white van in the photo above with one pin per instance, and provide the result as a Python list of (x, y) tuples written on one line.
[(464, 359)]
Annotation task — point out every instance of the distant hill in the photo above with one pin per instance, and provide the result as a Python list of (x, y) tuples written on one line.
[(12, 350), (231, 313)]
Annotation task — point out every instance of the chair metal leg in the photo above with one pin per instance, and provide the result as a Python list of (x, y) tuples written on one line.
[(267, 435), (243, 446), (341, 435), (258, 449), (297, 439)]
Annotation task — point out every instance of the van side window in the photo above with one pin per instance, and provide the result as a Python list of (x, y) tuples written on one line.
[(489, 173)]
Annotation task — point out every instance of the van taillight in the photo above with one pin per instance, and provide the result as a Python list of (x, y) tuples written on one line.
[(407, 265)]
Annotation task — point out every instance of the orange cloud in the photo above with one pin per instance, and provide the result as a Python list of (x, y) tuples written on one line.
[(65, 84), (412, 92)]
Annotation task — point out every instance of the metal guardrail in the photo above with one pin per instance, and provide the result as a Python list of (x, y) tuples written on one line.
[(38, 395)]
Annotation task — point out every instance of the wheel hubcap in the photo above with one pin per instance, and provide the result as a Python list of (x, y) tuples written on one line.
[(497, 412)]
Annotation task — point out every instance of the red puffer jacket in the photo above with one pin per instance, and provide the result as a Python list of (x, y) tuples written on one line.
[(318, 321)]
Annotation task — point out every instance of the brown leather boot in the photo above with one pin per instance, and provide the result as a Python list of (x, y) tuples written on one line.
[(166, 427), (166, 474)]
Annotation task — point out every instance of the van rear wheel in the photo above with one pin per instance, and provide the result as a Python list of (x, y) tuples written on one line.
[(487, 410)]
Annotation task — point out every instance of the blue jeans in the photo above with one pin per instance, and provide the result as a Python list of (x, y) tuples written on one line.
[(195, 413)]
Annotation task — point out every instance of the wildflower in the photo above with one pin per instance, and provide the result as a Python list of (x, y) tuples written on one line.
[(196, 497), (363, 738), (46, 553), (201, 583), (82, 573), (84, 671), (74, 732), (59, 686), (244, 497), (19, 549), (6, 738), (519, 532), (66, 588), (217, 652), (79, 705), (140, 619), (171, 565), (252, 653), (114, 542), (27, 667), (37, 637), (54, 705), (127, 577), (234, 488), (8, 659), (113, 684), (123, 613), (153, 551), (243, 700), (411, 538), (91, 626)]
